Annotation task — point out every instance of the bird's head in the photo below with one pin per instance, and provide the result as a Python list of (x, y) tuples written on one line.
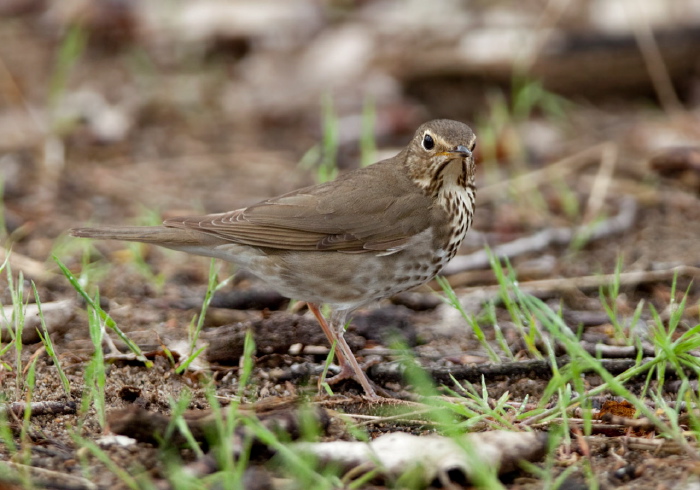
[(441, 154)]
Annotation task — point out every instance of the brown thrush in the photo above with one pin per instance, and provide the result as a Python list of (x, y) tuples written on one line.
[(370, 234)]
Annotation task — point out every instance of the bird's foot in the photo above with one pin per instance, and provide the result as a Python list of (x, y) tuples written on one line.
[(346, 372), (372, 390)]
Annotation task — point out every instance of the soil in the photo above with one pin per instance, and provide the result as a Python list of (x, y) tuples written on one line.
[(184, 153)]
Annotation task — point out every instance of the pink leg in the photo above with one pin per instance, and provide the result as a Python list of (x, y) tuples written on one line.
[(349, 368), (330, 334)]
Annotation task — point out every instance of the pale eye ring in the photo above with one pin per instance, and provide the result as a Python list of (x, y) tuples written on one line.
[(428, 142)]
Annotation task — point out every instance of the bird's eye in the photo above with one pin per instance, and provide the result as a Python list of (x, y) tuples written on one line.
[(473, 147), (428, 142)]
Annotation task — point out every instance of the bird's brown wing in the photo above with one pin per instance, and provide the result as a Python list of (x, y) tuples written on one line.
[(366, 210)]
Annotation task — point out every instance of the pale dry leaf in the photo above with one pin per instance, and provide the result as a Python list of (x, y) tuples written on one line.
[(433, 456)]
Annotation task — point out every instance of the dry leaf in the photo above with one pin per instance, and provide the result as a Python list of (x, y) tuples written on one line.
[(433, 456)]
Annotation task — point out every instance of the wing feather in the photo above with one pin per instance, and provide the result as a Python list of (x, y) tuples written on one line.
[(366, 210)]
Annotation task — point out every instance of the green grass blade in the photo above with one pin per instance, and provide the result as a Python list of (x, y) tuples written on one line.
[(108, 321)]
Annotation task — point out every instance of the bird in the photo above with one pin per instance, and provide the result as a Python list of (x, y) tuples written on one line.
[(369, 234)]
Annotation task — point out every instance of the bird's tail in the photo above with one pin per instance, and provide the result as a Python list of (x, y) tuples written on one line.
[(159, 235)]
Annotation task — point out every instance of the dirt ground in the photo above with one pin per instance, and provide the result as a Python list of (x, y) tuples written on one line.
[(141, 124)]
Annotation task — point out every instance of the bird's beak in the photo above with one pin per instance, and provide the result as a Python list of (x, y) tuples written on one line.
[(461, 150)]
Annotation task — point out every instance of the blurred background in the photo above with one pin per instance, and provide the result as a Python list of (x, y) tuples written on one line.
[(587, 116), (586, 111)]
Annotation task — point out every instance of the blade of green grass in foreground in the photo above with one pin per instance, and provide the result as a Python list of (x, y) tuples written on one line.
[(178, 408), (26, 445), (95, 372), (15, 324), (195, 331), (453, 301), (104, 458), (48, 344), (108, 321), (329, 360), (520, 318), (303, 465)]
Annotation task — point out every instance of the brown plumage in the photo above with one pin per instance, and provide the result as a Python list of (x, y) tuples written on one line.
[(371, 233)]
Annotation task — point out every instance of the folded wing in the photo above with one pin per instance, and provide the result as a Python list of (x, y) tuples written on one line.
[(359, 214)]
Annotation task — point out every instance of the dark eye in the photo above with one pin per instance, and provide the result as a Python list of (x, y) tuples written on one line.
[(473, 147), (428, 142)]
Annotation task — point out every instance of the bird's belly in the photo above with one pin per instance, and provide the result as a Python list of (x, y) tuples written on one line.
[(348, 281)]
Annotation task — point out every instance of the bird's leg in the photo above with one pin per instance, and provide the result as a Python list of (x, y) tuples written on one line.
[(330, 334), (349, 368), (359, 374)]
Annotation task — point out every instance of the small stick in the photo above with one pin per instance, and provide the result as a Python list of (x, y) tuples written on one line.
[(39, 408)]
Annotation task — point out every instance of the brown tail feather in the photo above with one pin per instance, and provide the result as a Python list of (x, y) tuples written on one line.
[(159, 235)]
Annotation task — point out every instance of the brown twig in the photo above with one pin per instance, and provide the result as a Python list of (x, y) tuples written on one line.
[(546, 287), (39, 408), (537, 369)]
